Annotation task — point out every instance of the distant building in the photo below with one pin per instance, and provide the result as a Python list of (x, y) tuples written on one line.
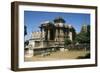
[(84, 28), (52, 36)]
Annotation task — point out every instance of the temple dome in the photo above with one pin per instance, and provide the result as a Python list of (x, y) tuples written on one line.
[(47, 22), (59, 20)]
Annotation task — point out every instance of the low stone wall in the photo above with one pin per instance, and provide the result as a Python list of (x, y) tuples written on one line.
[(78, 47)]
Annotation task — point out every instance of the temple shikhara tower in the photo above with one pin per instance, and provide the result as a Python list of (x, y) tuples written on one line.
[(51, 36)]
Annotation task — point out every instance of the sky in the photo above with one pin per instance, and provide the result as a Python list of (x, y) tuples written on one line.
[(33, 19)]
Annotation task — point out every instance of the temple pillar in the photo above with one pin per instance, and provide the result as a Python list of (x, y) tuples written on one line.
[(41, 32), (48, 34), (70, 36), (56, 35), (61, 35)]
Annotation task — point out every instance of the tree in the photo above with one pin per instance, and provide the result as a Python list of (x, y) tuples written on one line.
[(25, 30), (25, 33), (67, 41), (26, 42), (83, 37)]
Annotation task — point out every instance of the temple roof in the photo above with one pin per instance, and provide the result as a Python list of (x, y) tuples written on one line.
[(47, 24), (59, 19)]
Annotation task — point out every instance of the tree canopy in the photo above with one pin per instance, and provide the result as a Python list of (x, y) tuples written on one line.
[(67, 41), (83, 37), (25, 30)]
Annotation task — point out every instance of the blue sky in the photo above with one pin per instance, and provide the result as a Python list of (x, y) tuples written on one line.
[(32, 19)]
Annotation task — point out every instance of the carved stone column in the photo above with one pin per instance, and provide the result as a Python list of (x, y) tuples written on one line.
[(56, 35), (70, 36), (48, 34)]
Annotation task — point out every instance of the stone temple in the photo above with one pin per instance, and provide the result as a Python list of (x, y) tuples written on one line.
[(51, 37)]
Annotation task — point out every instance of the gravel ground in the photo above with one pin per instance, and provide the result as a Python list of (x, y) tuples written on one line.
[(58, 56)]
